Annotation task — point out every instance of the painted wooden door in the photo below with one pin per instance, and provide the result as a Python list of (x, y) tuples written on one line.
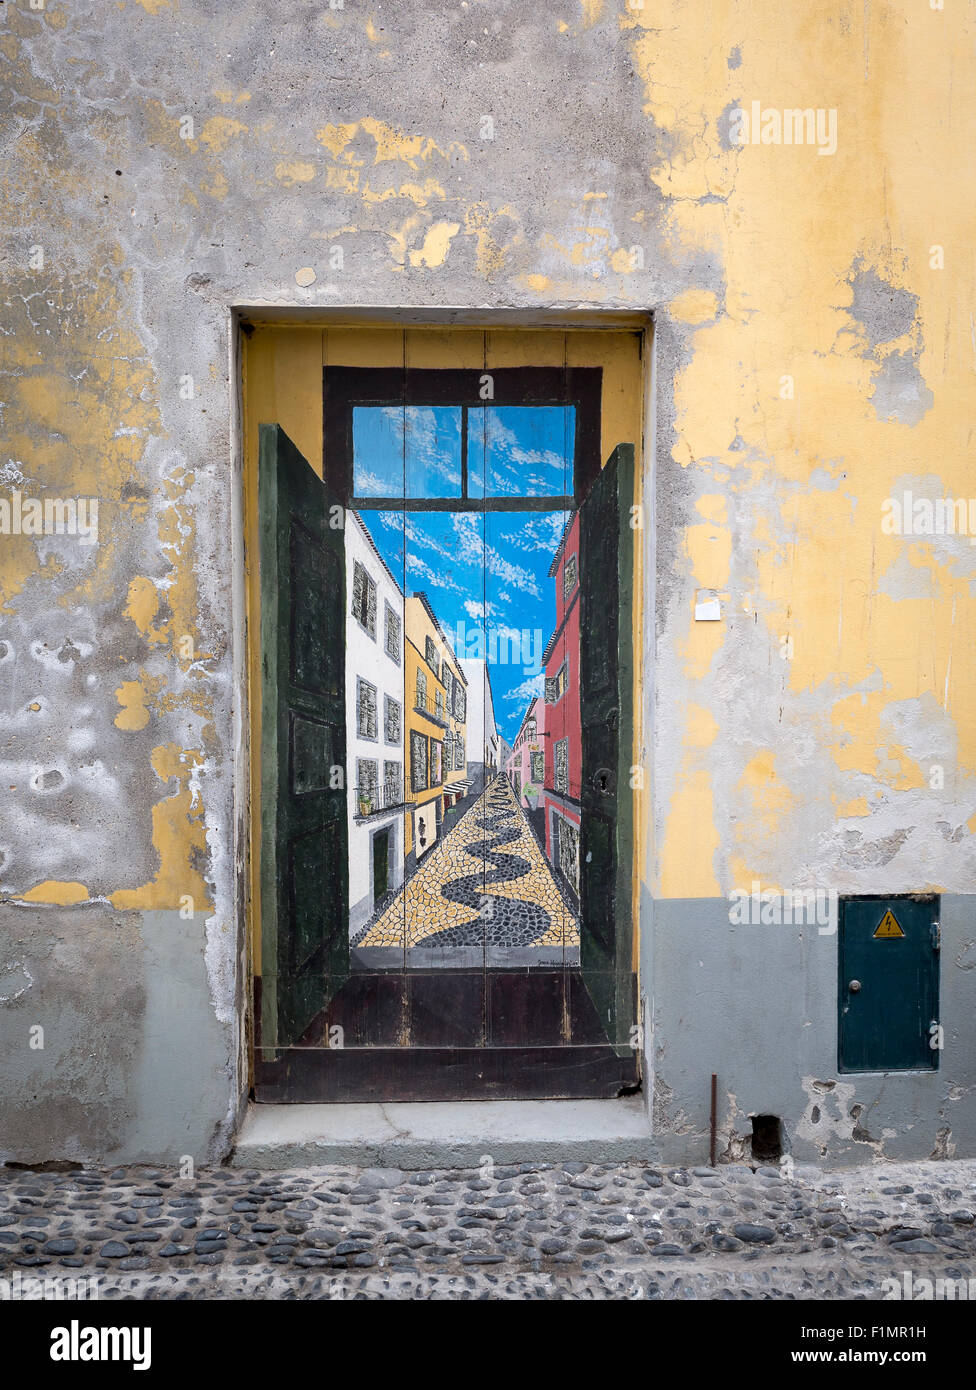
[(889, 984), (606, 708), (304, 835), (490, 960)]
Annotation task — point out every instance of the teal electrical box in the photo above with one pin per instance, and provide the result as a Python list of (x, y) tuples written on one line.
[(888, 985)]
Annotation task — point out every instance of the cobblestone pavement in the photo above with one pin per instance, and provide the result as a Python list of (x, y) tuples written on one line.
[(486, 880), (531, 1231)]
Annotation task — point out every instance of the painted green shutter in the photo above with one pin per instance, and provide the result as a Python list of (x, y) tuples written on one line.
[(304, 875), (606, 707)]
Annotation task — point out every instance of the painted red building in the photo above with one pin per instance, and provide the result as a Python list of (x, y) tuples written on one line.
[(564, 734)]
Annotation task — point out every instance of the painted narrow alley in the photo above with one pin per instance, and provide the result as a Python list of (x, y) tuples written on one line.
[(487, 882)]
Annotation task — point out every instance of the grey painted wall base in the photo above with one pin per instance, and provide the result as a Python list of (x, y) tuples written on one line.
[(444, 1136), (134, 1065), (757, 1005)]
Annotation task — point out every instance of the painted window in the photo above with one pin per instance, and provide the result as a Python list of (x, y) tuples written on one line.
[(569, 577), (392, 784), (557, 685), (418, 762), (392, 634), (561, 766), (392, 725), (568, 853), (439, 703), (364, 598), (421, 689), (415, 451), (436, 763), (430, 652), (447, 677), (366, 788), (521, 450), (365, 708), (460, 702), (406, 451), (458, 753), (539, 767)]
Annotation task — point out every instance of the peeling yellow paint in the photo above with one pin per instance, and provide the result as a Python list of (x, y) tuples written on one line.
[(437, 244), (701, 727), (419, 193), (390, 144), (294, 171), (133, 714), (690, 840), (178, 836), (219, 131), (694, 306), (143, 605), (54, 891)]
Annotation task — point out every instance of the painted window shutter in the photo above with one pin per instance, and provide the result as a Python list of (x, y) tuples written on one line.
[(366, 709)]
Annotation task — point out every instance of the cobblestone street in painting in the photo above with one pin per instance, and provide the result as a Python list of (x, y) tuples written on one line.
[(486, 881), (528, 1231)]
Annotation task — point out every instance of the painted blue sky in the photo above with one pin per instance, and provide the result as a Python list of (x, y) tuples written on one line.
[(485, 574)]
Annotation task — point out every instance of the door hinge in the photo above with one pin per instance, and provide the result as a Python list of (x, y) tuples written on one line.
[(936, 936)]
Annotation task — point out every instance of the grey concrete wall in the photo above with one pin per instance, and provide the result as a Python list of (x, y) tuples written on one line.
[(131, 1063), (757, 1005)]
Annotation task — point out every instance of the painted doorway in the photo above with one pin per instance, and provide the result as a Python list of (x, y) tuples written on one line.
[(486, 671)]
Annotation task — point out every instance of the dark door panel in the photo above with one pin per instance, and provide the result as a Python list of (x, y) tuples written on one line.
[(303, 801), (888, 985)]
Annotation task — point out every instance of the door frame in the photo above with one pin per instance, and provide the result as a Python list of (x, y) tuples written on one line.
[(242, 320)]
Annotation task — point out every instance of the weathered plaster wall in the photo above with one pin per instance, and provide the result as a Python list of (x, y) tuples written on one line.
[(608, 181), (757, 1005)]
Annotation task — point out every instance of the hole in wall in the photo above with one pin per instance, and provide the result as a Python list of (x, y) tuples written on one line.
[(767, 1138)]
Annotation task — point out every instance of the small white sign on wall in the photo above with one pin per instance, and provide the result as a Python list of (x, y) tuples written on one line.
[(424, 828), (708, 609)]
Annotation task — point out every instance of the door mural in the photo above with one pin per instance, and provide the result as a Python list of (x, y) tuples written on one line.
[(480, 633)]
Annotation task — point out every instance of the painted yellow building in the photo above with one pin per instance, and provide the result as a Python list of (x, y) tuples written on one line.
[(435, 734)]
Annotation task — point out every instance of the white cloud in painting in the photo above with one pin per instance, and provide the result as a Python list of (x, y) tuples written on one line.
[(528, 690), (510, 457), (369, 485), (479, 611), (473, 549), (544, 532), (419, 569), (428, 450)]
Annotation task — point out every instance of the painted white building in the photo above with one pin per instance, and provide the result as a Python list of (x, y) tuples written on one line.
[(374, 724), (484, 759)]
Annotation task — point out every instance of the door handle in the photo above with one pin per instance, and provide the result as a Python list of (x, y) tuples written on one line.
[(854, 986)]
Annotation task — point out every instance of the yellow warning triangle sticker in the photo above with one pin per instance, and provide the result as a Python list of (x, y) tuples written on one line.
[(888, 927)]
